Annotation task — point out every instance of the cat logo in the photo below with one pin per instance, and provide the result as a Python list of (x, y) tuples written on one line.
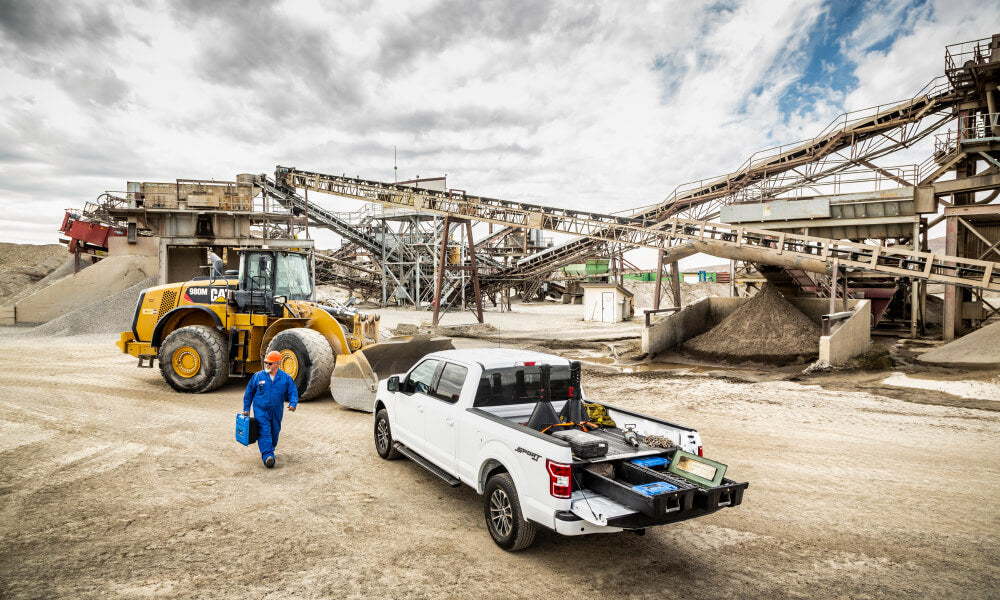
[(207, 295)]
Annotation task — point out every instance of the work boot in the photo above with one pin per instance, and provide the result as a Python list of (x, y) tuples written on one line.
[(269, 462)]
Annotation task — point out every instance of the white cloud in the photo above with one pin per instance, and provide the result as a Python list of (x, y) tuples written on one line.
[(603, 106)]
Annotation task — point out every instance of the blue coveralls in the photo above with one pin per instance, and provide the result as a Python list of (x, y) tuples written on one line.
[(268, 398)]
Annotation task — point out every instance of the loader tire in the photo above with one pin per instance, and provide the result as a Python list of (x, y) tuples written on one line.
[(307, 357), (193, 359)]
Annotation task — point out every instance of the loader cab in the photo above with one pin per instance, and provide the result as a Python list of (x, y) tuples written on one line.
[(270, 275)]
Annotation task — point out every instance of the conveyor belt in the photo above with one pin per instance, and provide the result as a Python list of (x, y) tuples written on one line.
[(677, 237)]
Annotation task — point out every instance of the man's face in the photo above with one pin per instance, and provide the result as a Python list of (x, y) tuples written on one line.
[(271, 367)]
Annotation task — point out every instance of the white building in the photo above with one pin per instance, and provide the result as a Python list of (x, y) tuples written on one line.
[(607, 302)]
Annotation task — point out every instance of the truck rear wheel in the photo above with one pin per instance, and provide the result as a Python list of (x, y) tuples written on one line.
[(507, 526), (383, 436), (193, 359), (307, 357)]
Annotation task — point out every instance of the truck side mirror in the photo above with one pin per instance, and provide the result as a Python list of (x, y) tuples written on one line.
[(393, 384)]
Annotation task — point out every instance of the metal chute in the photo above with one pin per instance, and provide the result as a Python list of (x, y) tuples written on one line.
[(356, 375)]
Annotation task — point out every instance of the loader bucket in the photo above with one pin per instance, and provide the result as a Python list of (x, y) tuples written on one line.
[(356, 376)]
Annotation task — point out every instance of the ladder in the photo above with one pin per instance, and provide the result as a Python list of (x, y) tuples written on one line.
[(677, 237)]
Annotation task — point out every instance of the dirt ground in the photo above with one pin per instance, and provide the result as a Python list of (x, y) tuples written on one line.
[(113, 485)]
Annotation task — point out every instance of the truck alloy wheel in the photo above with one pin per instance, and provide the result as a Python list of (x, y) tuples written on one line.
[(501, 518), (383, 436), (502, 508)]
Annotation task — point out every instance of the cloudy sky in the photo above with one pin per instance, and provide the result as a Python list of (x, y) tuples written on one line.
[(605, 105)]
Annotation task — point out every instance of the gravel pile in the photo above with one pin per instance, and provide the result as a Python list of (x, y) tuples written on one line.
[(766, 329), (977, 350), (109, 315), (21, 265)]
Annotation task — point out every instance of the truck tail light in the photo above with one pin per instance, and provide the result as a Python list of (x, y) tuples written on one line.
[(560, 477), (701, 451)]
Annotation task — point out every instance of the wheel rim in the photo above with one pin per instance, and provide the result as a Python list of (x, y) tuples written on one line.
[(289, 363), (186, 361), (382, 435), (501, 516)]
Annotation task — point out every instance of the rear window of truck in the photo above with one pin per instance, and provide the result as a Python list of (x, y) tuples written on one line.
[(517, 385)]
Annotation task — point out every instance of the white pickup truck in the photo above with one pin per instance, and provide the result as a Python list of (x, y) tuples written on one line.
[(484, 417)]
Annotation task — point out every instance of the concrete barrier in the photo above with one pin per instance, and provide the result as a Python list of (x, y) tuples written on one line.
[(674, 330), (848, 338), (105, 278)]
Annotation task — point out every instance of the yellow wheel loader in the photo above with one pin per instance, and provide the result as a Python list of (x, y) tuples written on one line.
[(211, 328)]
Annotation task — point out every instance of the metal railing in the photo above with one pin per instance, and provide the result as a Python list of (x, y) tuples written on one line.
[(957, 55), (781, 157), (978, 127)]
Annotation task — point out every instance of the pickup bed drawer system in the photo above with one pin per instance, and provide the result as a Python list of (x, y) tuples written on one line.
[(681, 500)]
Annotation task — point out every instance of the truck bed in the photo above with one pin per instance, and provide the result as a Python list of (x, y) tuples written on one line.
[(613, 501)]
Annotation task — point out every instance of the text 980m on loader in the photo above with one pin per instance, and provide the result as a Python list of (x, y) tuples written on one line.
[(211, 328)]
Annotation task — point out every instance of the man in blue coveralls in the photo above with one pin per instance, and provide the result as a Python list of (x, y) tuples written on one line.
[(268, 390)]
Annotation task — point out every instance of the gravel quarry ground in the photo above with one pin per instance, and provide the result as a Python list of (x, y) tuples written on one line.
[(112, 485)]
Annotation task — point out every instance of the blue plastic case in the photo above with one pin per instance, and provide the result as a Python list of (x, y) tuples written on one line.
[(650, 462), (246, 429), (652, 489)]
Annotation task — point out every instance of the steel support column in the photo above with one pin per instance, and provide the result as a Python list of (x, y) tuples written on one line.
[(659, 279), (675, 283), (915, 286), (950, 313), (443, 266), (439, 274)]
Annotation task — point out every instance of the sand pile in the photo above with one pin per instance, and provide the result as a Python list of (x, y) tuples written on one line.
[(109, 315), (977, 350), (21, 265), (765, 329)]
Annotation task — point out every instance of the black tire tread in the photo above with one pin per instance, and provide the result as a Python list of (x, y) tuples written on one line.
[(524, 530), (216, 351), (319, 356), (392, 454)]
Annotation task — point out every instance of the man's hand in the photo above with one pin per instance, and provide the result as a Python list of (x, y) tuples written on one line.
[(246, 413), (291, 408)]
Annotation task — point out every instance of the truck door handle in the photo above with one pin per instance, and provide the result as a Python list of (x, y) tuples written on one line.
[(420, 408), (449, 421)]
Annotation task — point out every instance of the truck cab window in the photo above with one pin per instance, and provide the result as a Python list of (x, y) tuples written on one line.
[(452, 380), (516, 385), (421, 377)]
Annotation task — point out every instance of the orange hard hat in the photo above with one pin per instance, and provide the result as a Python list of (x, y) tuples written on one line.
[(273, 356)]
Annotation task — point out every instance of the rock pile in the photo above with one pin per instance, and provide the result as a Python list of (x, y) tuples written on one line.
[(766, 329), (108, 315), (21, 265)]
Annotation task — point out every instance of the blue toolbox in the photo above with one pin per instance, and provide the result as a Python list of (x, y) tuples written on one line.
[(246, 429), (650, 462), (655, 488)]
